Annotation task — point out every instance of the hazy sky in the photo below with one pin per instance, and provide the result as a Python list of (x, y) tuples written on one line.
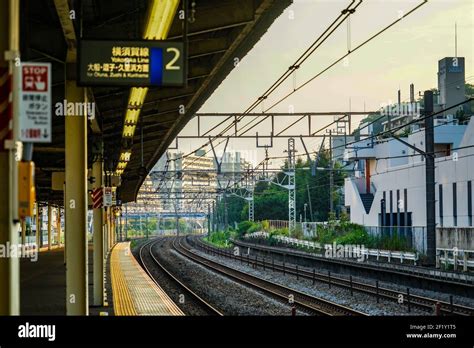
[(406, 53)]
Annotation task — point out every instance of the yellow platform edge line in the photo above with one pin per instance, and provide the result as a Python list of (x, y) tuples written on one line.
[(123, 302)]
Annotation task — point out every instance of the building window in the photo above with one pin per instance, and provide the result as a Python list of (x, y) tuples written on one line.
[(441, 204), (469, 202), (455, 204)]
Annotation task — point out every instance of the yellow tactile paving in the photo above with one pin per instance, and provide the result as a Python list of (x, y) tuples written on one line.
[(134, 292)]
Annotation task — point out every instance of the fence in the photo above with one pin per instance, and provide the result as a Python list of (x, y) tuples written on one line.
[(331, 249), (415, 236), (277, 224), (454, 257)]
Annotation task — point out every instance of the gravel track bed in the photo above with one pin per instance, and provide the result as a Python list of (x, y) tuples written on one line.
[(190, 306), (361, 302), (226, 295)]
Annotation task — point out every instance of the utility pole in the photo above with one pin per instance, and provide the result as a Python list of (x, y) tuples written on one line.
[(310, 205), (214, 228), (430, 180), (331, 174), (126, 222), (226, 216), (208, 220), (291, 185), (251, 205)]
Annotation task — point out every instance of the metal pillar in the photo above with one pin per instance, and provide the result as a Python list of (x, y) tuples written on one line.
[(58, 226), (38, 226), (291, 185), (331, 174), (50, 214), (106, 231), (214, 227), (430, 180), (9, 222), (76, 205), (126, 222), (98, 240), (23, 231), (251, 206), (208, 219), (226, 213), (146, 224), (110, 229)]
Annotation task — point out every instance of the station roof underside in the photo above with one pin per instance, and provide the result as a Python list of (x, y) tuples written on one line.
[(222, 31)]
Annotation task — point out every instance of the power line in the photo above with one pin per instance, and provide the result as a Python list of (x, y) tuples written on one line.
[(337, 22), (327, 68)]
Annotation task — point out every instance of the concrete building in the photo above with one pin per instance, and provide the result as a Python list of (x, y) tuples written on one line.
[(388, 188), (451, 91), (233, 167), (194, 174)]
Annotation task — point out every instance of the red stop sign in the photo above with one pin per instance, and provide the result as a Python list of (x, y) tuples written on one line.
[(35, 78)]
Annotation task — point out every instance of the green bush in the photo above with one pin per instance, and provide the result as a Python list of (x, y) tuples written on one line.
[(266, 225), (256, 227), (244, 226), (219, 238), (280, 232), (358, 236)]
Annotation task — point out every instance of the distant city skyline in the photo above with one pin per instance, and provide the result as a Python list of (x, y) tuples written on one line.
[(406, 53)]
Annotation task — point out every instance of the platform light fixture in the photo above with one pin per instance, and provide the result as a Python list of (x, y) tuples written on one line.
[(129, 131), (125, 155), (159, 19), (160, 16), (122, 165), (131, 117), (137, 96)]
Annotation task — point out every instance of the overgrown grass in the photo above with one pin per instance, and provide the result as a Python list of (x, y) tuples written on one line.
[(221, 238), (357, 235)]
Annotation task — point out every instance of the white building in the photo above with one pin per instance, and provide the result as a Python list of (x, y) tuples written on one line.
[(388, 188)]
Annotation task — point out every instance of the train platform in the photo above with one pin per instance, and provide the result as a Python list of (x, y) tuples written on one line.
[(134, 292), (43, 284)]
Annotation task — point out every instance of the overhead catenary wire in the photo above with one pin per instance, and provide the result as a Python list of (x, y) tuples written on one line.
[(330, 66), (336, 23)]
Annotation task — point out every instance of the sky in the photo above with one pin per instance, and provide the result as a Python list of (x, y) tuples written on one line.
[(406, 53)]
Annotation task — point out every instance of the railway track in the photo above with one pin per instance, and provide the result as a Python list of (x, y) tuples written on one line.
[(304, 302), (203, 304), (422, 302)]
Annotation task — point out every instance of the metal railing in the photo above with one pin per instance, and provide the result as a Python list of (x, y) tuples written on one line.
[(389, 255), (455, 257)]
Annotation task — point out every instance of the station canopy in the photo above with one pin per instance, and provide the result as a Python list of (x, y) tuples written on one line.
[(218, 32)]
